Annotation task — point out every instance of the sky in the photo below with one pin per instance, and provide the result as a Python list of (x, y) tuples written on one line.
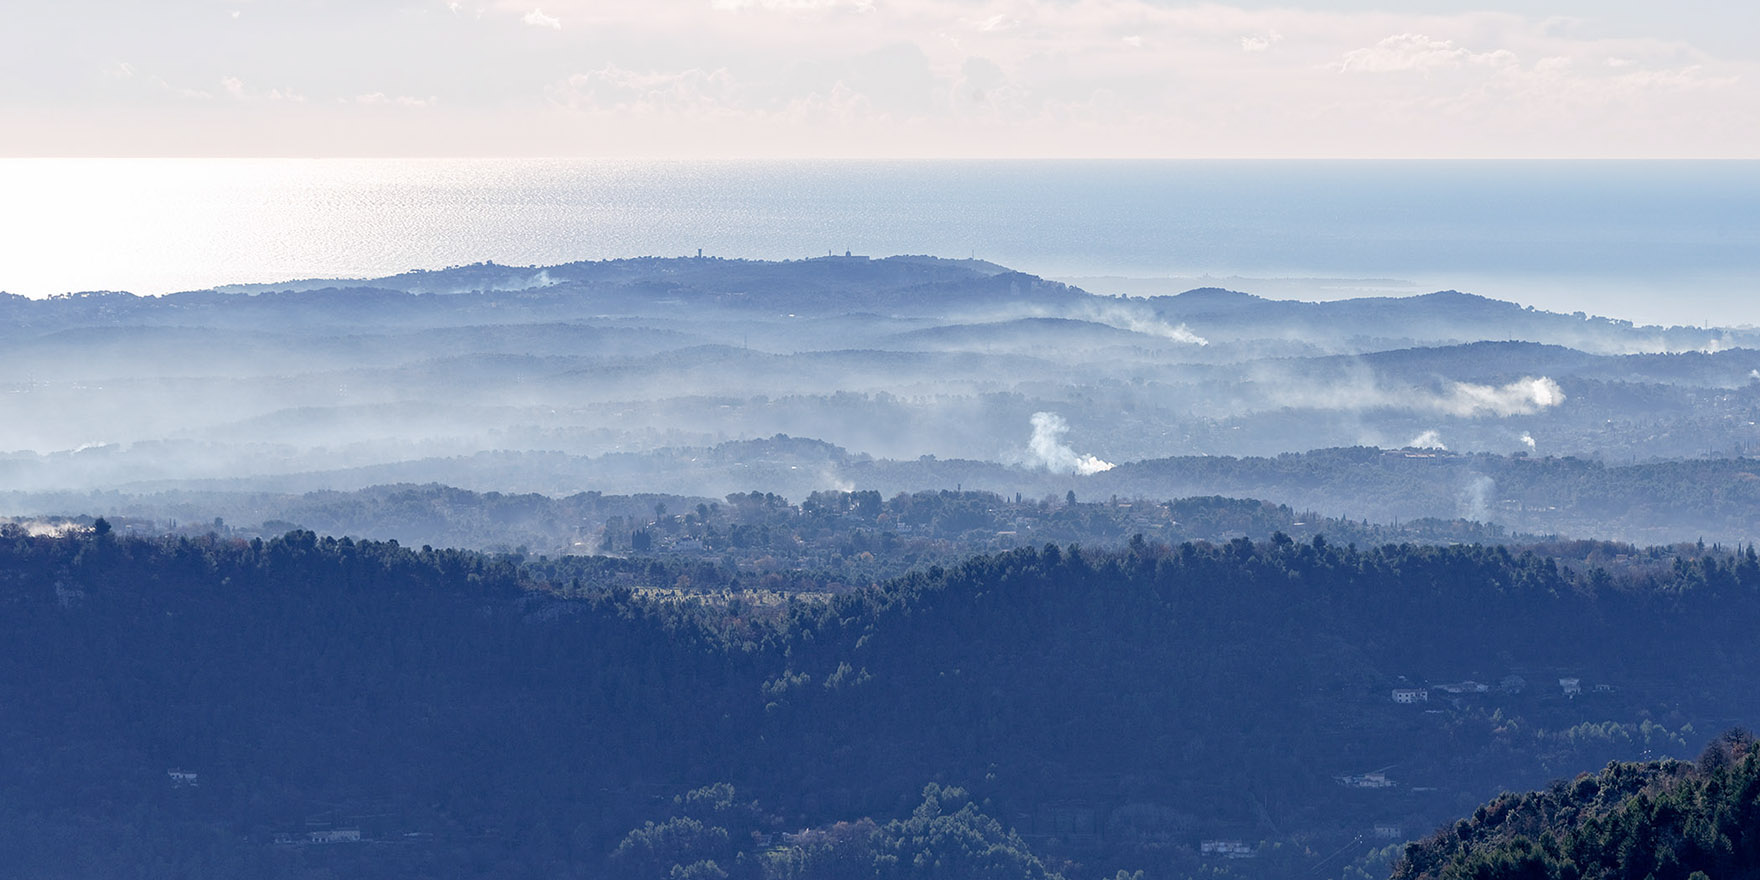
[(881, 78)]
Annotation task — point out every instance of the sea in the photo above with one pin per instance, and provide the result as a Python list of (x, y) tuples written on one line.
[(1670, 242)]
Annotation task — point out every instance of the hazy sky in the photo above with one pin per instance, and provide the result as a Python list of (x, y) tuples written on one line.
[(703, 78)]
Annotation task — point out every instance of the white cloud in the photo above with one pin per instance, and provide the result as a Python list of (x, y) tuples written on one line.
[(792, 5), (380, 99), (1402, 52), (537, 18), (1260, 42), (997, 22), (653, 92), (236, 88), (1082, 77)]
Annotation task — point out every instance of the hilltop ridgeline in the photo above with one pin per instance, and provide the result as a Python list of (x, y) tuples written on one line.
[(1668, 820)]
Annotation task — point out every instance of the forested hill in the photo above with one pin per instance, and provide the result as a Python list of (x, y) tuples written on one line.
[(1667, 820), (468, 720)]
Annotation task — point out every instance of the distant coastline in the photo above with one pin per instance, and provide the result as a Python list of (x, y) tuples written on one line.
[(1654, 242)]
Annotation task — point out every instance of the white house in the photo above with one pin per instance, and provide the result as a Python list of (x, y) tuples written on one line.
[(181, 779), (334, 835), (1465, 687), (1571, 686), (1227, 849), (1367, 780), (1409, 696)]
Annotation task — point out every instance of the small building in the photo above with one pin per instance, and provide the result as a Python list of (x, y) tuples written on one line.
[(183, 779), (1367, 780), (1227, 849), (1572, 687), (1387, 831), (1464, 687), (334, 835), (1408, 696)]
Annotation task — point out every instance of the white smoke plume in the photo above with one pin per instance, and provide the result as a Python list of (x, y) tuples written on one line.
[(1139, 320), (1047, 450), (1528, 440), (1121, 316), (1427, 440), (1522, 397), (540, 279), (1476, 499), (1362, 390)]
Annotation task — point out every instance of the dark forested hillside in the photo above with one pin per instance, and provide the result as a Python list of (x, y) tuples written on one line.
[(855, 536), (1253, 709), (1383, 494), (1667, 820)]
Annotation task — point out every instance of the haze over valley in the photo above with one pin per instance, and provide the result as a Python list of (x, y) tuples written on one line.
[(704, 377)]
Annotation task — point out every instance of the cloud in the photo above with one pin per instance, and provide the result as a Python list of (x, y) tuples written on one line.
[(537, 18), (616, 88), (1260, 42), (237, 89), (1417, 52), (1047, 450), (997, 22), (1083, 77), (380, 99), (791, 5)]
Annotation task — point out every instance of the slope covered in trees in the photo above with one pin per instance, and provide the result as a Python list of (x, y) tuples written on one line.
[(468, 716), (1667, 820)]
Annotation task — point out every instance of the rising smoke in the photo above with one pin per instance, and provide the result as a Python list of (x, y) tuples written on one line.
[(1428, 440), (1121, 316), (1524, 396), (1475, 499), (1047, 450), (1364, 391), (1139, 320)]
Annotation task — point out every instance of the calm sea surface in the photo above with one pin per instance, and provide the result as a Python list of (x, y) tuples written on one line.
[(1677, 242)]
